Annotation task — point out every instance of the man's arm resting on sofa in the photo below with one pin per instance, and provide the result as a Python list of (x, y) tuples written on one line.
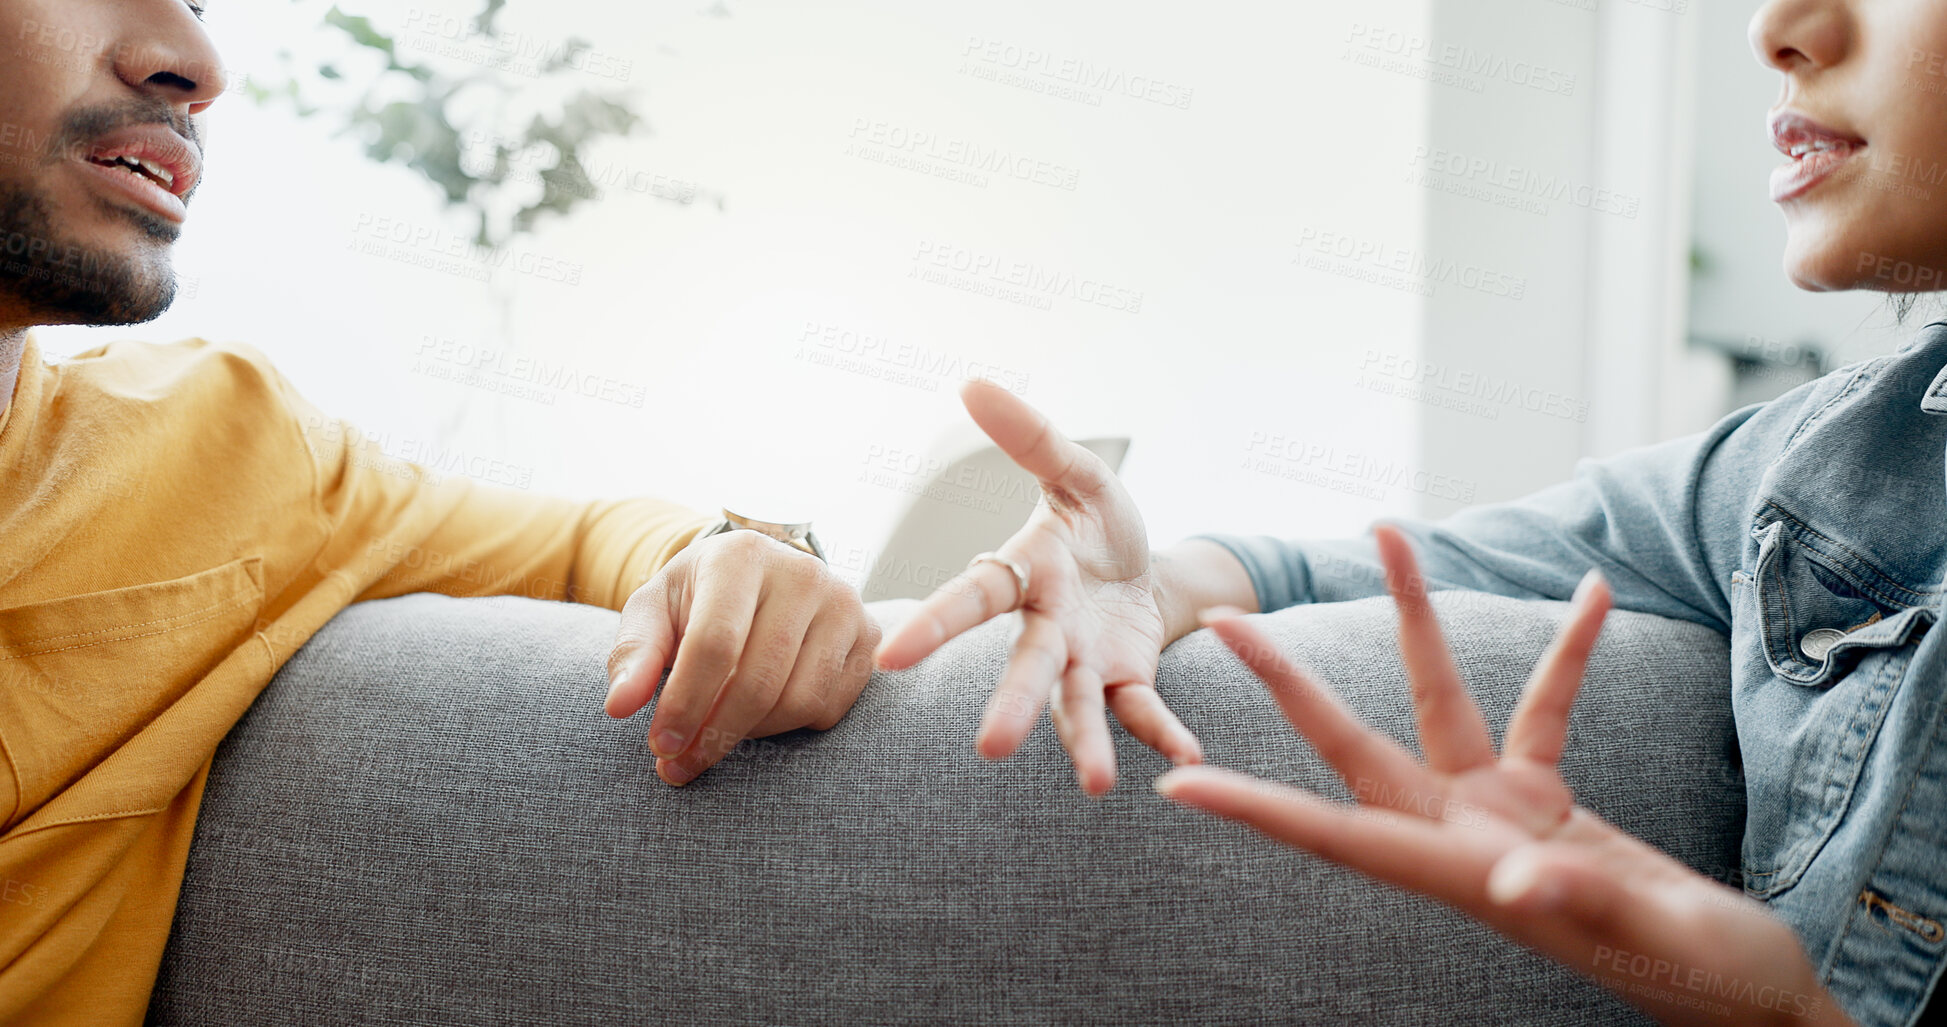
[(757, 637)]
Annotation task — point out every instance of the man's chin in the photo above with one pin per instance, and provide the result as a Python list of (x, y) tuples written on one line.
[(91, 304), (64, 281)]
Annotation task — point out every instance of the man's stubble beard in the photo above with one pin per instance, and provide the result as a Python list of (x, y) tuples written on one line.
[(64, 282)]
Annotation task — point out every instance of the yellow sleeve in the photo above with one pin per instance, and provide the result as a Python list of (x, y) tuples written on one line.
[(394, 527)]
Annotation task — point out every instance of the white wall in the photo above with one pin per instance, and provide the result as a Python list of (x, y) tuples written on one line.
[(1512, 189), (1232, 377), (1548, 166), (1346, 309)]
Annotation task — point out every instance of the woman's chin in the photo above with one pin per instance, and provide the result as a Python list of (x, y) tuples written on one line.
[(1806, 277), (1815, 262)]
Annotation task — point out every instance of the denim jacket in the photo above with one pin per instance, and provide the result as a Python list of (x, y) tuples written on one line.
[(1811, 530)]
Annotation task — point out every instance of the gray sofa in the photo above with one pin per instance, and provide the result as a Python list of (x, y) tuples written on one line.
[(427, 820)]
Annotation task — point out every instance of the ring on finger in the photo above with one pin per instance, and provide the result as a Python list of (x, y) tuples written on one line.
[(1014, 567)]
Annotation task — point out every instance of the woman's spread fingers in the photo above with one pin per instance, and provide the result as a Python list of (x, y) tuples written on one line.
[(1082, 723), (1032, 441), (1452, 731), (1394, 847), (1374, 766), (1040, 655), (1144, 715), (1540, 724), (977, 595)]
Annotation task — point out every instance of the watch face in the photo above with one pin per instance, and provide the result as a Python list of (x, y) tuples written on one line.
[(782, 530), (797, 534)]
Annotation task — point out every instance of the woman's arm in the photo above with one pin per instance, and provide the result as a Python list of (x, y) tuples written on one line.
[(1663, 523), (1666, 524), (1497, 835), (1195, 575)]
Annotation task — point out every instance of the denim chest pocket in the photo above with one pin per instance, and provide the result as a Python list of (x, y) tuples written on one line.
[(1823, 640)]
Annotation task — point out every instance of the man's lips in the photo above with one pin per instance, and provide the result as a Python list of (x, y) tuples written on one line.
[(1815, 151), (147, 163)]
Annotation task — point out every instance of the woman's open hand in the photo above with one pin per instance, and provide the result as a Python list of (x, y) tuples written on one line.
[(1091, 629), (1501, 838)]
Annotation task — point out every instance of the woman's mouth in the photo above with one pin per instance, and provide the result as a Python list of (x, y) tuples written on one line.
[(1816, 152)]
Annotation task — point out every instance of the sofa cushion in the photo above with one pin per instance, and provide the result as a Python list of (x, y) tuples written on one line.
[(428, 819)]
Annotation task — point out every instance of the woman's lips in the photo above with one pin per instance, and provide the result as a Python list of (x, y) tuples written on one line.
[(1816, 153), (1793, 180)]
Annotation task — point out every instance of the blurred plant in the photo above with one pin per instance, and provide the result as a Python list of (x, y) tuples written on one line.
[(507, 151)]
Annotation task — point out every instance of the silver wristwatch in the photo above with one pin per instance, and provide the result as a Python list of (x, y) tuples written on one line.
[(797, 536)]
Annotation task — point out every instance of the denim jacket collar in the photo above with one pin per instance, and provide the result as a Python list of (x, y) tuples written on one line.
[(1935, 399)]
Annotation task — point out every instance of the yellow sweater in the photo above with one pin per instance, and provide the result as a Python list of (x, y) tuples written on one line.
[(174, 522)]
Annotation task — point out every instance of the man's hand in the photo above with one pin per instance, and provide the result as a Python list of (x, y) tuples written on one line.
[(1092, 624), (764, 638), (1501, 838)]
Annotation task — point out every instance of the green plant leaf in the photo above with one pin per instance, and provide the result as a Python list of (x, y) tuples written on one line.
[(403, 118)]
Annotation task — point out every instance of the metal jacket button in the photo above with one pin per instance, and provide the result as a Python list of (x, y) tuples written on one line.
[(1817, 643)]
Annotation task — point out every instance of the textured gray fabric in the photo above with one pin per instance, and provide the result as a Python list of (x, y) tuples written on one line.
[(427, 820)]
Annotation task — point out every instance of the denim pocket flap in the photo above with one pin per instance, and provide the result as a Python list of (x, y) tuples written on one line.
[(1822, 608)]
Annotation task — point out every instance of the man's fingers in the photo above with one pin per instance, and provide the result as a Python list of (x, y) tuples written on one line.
[(1040, 655), (979, 594), (1398, 848), (1033, 442), (852, 675), (1375, 767), (1452, 731), (822, 690), (776, 644), (714, 632), (1082, 724), (1144, 715), (1540, 724), (642, 648)]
